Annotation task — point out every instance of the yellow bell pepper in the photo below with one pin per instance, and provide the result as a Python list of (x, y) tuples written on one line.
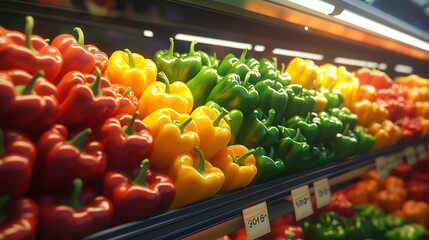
[(425, 123), (368, 112), (412, 80), (386, 134), (214, 132), (350, 92), (328, 71), (173, 134), (238, 165), (194, 178), (302, 72), (131, 69), (418, 93), (345, 76), (163, 95), (320, 100)]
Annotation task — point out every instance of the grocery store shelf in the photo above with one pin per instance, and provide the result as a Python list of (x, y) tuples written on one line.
[(221, 214)]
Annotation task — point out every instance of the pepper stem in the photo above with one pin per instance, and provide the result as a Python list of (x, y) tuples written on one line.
[(80, 36), (315, 87), (192, 48), (331, 86), (219, 117), (246, 79), (201, 168), (129, 129), (171, 49), (29, 24), (283, 68), (239, 160), (214, 64), (131, 61), (3, 200), (141, 178), (307, 117), (2, 146), (77, 140), (28, 88), (74, 201), (300, 93), (127, 91), (243, 56), (95, 86), (277, 78), (182, 125), (270, 119), (164, 79), (346, 129), (298, 131), (275, 62)]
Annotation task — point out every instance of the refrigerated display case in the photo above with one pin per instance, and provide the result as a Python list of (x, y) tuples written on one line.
[(342, 32)]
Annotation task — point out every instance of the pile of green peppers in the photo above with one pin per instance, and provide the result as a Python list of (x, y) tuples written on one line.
[(267, 113)]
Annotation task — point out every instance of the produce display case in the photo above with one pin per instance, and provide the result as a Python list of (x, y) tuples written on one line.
[(268, 28)]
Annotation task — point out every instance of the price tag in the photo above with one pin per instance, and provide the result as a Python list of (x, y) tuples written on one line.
[(322, 191), (411, 155), (256, 220), (391, 161), (381, 165), (398, 158), (302, 202), (421, 151)]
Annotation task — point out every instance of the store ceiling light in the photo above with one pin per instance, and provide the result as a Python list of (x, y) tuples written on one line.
[(376, 27), (259, 48), (293, 53), (213, 41), (403, 69), (355, 62), (315, 5), (147, 33)]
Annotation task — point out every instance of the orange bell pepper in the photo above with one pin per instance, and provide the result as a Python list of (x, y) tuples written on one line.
[(303, 72), (418, 94), (386, 134), (367, 92), (389, 201), (422, 109), (425, 123), (163, 95), (412, 81), (368, 112), (214, 132), (238, 165), (416, 211)]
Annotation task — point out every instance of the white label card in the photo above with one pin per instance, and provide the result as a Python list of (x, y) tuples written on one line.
[(421, 151), (302, 202), (322, 191), (411, 155), (256, 221), (398, 158), (391, 161), (381, 165)]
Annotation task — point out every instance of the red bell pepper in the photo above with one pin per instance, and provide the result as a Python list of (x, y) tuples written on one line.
[(29, 103), (81, 214), (239, 234), (403, 171), (146, 191), (60, 160), (417, 190), (127, 101), (288, 231), (85, 100), (77, 56), (17, 156), (340, 204), (411, 128), (18, 218), (29, 52), (126, 140), (376, 78)]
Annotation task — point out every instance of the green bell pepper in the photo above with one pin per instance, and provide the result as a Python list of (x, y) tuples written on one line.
[(272, 96), (291, 149), (365, 140), (241, 67), (268, 168), (269, 70), (308, 126), (334, 96), (345, 116), (328, 225), (300, 101), (368, 211), (410, 231), (345, 144), (178, 67), (214, 61), (315, 158), (328, 129), (358, 228), (202, 84), (234, 118), (205, 58), (230, 93)]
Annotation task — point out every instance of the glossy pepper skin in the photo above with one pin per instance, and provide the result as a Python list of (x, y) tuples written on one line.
[(214, 132), (81, 213), (231, 93), (267, 165), (344, 144), (386, 134), (300, 101), (358, 228), (195, 178), (126, 141), (409, 231), (334, 96), (178, 67), (291, 148), (272, 96), (145, 190), (368, 112), (201, 85), (173, 133), (330, 125), (61, 160), (100, 100), (411, 128), (365, 140), (256, 131), (163, 95), (345, 116), (416, 211), (367, 92), (128, 103), (321, 102), (328, 225), (78, 56), (238, 164), (131, 69), (29, 52), (268, 70), (17, 156), (376, 78), (308, 126), (29, 103), (240, 66), (302, 72), (21, 218), (234, 118)]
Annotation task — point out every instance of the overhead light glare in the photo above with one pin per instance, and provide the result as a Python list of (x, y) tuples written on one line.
[(403, 69), (355, 62), (259, 48), (293, 53), (378, 28), (316, 5), (213, 41), (147, 33), (382, 66), (306, 28)]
